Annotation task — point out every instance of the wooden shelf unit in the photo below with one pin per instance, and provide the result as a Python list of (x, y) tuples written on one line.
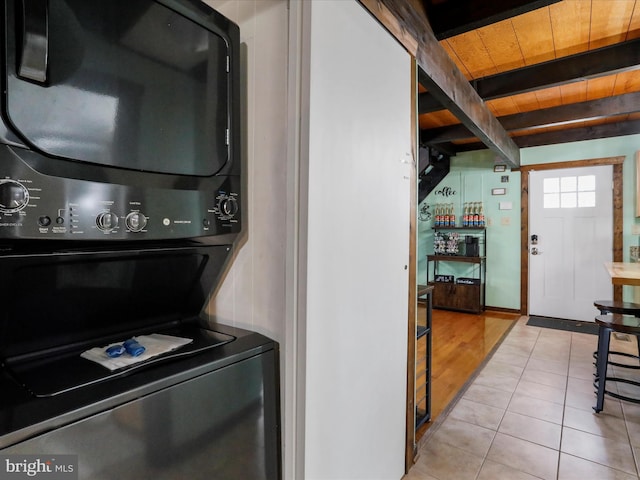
[(459, 296)]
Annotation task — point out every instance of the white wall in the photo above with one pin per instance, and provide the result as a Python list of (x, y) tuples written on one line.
[(256, 292), (252, 295), (359, 163), (355, 340)]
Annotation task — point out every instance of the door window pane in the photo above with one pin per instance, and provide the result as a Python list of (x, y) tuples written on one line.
[(570, 192), (587, 183), (551, 185), (568, 184)]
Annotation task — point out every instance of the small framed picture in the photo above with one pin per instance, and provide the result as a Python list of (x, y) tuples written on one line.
[(498, 191), (500, 168)]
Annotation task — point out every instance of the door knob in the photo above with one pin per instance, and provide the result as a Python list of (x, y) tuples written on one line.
[(535, 251)]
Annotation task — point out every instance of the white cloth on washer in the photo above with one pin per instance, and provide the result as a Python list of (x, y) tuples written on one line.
[(154, 344)]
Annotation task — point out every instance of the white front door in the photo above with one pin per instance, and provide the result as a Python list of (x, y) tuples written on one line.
[(570, 238)]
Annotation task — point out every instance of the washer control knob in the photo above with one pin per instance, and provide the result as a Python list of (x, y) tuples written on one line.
[(135, 221), (107, 221), (228, 206), (13, 196)]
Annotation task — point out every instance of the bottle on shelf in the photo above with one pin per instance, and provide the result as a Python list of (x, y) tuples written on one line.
[(476, 214), (481, 221), (465, 215), (445, 221), (452, 217)]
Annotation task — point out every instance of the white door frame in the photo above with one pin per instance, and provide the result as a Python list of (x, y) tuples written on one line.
[(524, 202)]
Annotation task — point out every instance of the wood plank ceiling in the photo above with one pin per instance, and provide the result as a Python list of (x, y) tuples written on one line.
[(566, 71)]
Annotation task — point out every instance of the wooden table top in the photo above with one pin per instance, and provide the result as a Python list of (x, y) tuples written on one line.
[(624, 273)]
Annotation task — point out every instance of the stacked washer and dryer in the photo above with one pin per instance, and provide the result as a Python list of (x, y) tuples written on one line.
[(120, 202)]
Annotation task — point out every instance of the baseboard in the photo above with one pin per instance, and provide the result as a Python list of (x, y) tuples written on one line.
[(503, 310)]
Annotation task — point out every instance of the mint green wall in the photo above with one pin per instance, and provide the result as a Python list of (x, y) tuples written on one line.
[(472, 178), (626, 146)]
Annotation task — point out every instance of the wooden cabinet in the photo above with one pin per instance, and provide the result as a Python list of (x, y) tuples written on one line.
[(466, 293), (452, 296)]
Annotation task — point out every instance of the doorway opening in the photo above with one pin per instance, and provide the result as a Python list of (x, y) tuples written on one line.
[(616, 162)]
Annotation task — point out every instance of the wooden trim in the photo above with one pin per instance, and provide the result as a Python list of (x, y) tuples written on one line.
[(617, 222), (574, 164), (524, 242), (489, 308), (392, 24), (617, 163), (410, 445)]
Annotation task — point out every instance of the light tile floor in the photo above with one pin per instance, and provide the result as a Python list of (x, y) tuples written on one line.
[(528, 415)]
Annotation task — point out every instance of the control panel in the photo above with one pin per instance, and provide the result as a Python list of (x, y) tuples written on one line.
[(35, 206)]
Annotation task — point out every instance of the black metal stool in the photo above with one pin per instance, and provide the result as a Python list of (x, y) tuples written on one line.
[(613, 306), (624, 308), (608, 324)]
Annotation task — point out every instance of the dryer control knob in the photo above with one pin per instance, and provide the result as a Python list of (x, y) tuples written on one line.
[(135, 221), (107, 221), (228, 206), (13, 196)]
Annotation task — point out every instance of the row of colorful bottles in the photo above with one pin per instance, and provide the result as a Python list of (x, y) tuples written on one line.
[(445, 215), (473, 215)]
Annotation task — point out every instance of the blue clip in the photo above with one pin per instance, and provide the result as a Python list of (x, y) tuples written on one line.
[(133, 348), (115, 351)]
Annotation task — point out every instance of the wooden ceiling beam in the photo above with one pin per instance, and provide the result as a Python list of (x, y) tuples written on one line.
[(454, 17), (608, 130), (443, 77), (592, 64), (563, 114)]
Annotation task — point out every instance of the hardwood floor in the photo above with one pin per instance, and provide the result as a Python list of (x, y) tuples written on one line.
[(460, 343)]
